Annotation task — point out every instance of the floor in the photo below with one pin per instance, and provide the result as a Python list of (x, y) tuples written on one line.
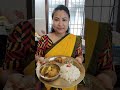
[(117, 69), (117, 89)]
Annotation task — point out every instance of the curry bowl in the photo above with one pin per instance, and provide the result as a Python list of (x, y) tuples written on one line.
[(49, 72)]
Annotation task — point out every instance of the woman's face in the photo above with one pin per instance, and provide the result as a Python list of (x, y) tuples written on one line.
[(60, 21)]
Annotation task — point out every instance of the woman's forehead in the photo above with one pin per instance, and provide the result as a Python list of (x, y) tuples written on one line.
[(60, 13)]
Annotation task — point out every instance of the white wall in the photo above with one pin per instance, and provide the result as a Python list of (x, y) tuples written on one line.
[(40, 22)]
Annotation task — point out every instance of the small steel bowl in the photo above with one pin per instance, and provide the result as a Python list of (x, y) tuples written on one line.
[(50, 78)]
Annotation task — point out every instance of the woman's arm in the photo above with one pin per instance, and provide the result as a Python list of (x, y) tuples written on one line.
[(39, 56), (79, 55)]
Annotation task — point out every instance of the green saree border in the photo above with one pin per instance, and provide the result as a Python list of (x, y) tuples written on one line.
[(77, 43)]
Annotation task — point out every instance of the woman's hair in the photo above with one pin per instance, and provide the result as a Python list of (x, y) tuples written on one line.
[(60, 7)]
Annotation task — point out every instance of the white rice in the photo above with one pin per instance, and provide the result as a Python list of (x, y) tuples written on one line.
[(70, 74)]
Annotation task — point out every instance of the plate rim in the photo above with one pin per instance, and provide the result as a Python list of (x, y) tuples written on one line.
[(58, 86)]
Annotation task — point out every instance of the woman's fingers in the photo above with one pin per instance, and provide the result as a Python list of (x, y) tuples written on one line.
[(39, 59), (36, 57), (79, 59)]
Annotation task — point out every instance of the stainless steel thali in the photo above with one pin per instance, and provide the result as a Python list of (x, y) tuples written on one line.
[(61, 83)]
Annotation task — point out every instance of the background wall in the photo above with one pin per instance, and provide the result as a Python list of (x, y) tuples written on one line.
[(102, 10), (8, 8), (40, 22)]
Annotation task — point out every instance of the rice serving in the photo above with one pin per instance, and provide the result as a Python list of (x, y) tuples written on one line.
[(69, 73)]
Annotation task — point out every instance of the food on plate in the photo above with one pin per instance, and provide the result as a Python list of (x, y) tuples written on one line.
[(60, 60), (53, 72), (52, 62), (69, 72), (49, 70), (57, 60)]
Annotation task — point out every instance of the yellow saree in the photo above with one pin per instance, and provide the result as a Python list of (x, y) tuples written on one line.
[(64, 47)]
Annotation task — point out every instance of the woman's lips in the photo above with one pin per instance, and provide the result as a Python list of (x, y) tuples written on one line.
[(60, 28)]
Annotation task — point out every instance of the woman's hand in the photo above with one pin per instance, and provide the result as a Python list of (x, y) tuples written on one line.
[(39, 59), (80, 59)]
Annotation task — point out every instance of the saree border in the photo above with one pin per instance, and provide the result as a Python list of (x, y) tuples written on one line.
[(78, 40)]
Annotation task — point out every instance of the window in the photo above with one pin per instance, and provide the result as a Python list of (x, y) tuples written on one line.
[(76, 8), (102, 11)]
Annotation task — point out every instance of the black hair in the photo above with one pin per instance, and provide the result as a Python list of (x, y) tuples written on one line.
[(60, 7)]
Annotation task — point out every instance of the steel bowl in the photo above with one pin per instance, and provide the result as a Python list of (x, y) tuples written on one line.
[(53, 77)]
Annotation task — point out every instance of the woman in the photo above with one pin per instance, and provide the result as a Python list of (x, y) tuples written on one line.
[(59, 41)]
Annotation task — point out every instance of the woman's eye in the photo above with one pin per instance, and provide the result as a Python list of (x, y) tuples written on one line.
[(64, 20), (56, 19)]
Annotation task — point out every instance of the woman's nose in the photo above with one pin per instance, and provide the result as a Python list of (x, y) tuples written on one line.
[(60, 23)]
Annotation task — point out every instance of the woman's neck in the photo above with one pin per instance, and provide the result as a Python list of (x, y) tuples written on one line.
[(55, 36), (59, 35)]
